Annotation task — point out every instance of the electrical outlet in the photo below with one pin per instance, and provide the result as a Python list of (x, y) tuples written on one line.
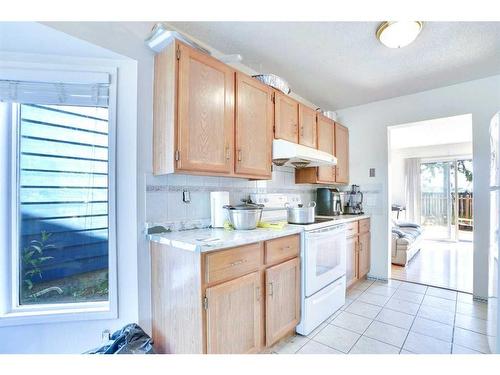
[(372, 172), (186, 196), (105, 335)]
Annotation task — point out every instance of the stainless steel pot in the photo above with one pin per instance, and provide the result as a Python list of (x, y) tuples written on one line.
[(301, 214), (245, 216)]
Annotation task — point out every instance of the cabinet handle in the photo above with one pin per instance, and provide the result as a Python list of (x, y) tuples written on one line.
[(257, 290), (239, 154), (286, 248), (228, 153), (302, 131), (360, 246), (238, 262), (296, 128), (271, 289)]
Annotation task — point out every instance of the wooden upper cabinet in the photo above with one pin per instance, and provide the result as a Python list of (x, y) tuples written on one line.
[(342, 154), (205, 113), (234, 316), (286, 118), (254, 127), (307, 126), (282, 299), (326, 134)]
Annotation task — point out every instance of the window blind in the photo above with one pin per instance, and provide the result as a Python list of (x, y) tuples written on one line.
[(81, 94), (56, 87)]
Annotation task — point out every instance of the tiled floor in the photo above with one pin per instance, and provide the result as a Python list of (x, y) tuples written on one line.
[(443, 264), (398, 317)]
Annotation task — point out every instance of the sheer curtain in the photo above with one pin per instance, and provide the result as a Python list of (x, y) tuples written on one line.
[(412, 189)]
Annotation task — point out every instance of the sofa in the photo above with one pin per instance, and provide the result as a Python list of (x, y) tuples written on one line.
[(406, 242)]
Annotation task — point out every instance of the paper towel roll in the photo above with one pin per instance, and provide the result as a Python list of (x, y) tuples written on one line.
[(218, 215)]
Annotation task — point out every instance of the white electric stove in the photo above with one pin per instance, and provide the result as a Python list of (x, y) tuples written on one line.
[(323, 261)]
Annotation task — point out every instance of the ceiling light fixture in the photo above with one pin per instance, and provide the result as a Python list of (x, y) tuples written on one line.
[(397, 34)]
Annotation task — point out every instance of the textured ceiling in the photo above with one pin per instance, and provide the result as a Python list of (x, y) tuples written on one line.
[(448, 130), (341, 64)]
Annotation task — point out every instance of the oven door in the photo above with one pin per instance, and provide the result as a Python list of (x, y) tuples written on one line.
[(324, 255)]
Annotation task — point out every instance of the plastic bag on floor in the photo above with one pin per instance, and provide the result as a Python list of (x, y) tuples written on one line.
[(131, 339)]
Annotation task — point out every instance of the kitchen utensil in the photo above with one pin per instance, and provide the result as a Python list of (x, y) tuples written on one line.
[(332, 115), (218, 214), (274, 81), (161, 37), (301, 214), (354, 205), (244, 216)]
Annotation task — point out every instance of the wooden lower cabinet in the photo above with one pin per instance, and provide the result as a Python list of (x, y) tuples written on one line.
[(351, 274), (358, 251), (234, 316), (282, 299), (229, 301), (363, 253)]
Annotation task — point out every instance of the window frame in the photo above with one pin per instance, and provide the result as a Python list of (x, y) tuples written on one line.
[(12, 313)]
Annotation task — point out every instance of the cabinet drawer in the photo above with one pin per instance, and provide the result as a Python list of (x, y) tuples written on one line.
[(364, 225), (228, 264), (351, 229), (282, 248)]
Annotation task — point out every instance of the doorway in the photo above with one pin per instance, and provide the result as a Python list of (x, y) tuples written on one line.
[(431, 181), (447, 199)]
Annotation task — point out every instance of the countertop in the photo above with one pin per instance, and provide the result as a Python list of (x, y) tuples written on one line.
[(204, 240), (209, 239), (342, 219)]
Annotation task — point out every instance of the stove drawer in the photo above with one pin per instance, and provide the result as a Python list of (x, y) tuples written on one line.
[(282, 248)]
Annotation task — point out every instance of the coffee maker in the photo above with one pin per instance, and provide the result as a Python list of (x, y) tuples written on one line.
[(354, 201), (328, 202)]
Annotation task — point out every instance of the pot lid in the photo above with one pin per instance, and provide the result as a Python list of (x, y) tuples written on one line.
[(246, 205)]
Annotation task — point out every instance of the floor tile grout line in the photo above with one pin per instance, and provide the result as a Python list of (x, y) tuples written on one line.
[(373, 320), (454, 322), (411, 326)]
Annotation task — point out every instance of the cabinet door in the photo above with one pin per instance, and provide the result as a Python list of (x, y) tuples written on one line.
[(234, 316), (286, 118), (326, 143), (351, 260), (205, 127), (363, 254), (307, 126), (282, 299), (254, 127), (342, 154)]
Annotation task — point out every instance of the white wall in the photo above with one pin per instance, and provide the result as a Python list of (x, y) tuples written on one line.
[(368, 132), (399, 155), (78, 336)]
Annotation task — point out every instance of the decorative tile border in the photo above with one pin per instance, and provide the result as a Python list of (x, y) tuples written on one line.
[(235, 189), (174, 226)]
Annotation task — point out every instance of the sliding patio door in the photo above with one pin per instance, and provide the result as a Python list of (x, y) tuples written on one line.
[(446, 199)]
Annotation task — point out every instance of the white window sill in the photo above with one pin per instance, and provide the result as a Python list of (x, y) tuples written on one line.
[(57, 314)]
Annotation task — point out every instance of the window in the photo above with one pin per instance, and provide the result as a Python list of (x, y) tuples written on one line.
[(62, 210), (63, 256)]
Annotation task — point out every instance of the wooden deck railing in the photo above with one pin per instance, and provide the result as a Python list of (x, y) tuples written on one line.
[(434, 208)]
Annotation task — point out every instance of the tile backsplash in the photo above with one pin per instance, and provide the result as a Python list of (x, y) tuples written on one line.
[(164, 204)]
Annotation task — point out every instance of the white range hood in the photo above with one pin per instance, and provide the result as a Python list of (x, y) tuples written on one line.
[(294, 155)]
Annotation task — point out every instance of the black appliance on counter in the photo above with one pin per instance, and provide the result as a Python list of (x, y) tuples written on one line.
[(328, 202)]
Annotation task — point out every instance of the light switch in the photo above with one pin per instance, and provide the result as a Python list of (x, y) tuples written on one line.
[(372, 172)]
